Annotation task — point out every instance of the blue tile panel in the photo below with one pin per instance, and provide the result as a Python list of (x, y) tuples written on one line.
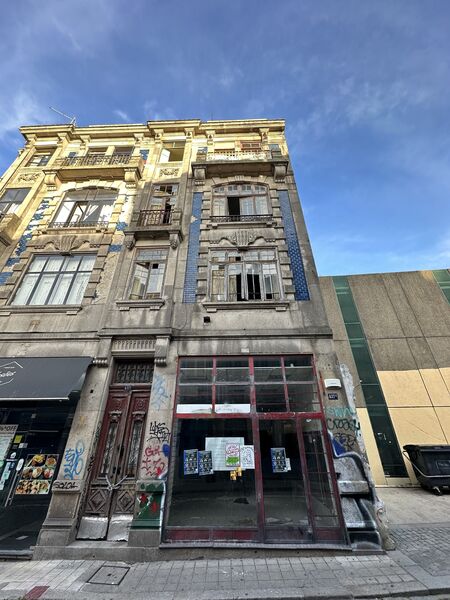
[(121, 225), (115, 248), (190, 278), (298, 270)]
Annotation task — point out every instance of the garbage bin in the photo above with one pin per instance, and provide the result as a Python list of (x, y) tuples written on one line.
[(431, 465)]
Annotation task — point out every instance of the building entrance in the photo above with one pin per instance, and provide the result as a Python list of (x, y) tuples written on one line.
[(251, 469)]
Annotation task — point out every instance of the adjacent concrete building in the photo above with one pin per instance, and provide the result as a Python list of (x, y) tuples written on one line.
[(167, 362), (393, 332)]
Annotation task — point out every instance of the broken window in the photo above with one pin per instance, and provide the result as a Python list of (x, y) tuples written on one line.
[(241, 276), (245, 202), (172, 152), (148, 274), (11, 199)]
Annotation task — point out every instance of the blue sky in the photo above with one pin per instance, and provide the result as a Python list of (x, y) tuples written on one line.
[(364, 87)]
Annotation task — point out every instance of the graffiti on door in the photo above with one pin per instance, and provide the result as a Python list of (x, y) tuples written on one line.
[(155, 460)]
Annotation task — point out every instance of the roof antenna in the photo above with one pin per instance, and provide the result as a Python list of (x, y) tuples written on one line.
[(72, 120)]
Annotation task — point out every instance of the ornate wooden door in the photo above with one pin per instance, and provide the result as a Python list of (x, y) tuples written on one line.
[(112, 487)]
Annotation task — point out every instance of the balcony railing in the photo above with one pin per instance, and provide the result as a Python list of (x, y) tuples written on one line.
[(87, 224), (98, 160), (234, 155), (239, 218), (252, 297), (154, 217)]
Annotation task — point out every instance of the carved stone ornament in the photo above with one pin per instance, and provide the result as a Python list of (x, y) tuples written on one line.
[(240, 237), (129, 242), (67, 243), (174, 240), (200, 173), (168, 172), (161, 350), (279, 173), (27, 177)]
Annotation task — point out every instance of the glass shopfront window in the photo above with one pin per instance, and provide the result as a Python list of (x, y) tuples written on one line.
[(250, 458)]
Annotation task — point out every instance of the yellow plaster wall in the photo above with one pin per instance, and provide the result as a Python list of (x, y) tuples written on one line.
[(436, 387), (417, 426), (371, 446), (443, 414), (404, 388)]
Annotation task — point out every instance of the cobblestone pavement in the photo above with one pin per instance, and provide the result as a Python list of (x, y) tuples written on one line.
[(420, 566)]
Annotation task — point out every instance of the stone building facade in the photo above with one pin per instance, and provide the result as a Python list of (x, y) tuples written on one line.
[(167, 360)]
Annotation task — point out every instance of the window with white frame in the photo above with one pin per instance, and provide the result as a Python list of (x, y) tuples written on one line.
[(84, 208), (240, 202), (11, 199), (40, 158), (148, 274), (239, 276), (55, 279)]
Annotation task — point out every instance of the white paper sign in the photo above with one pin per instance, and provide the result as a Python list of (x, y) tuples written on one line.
[(217, 447), (6, 435), (247, 457)]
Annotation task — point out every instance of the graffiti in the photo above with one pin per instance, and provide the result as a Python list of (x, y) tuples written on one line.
[(343, 424), (66, 485), (73, 461), (346, 441), (160, 396), (158, 431), (155, 461), (340, 412)]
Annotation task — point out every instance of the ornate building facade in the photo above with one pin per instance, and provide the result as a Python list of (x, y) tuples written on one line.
[(167, 361)]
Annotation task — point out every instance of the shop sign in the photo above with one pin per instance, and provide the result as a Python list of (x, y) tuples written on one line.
[(7, 433), (8, 371), (37, 474)]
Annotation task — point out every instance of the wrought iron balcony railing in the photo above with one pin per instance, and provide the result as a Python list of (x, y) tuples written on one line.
[(252, 297), (239, 218), (154, 217), (220, 155), (98, 160)]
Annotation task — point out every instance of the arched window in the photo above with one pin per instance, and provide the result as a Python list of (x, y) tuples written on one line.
[(240, 202)]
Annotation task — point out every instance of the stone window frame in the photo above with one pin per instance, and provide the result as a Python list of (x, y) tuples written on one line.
[(239, 183)]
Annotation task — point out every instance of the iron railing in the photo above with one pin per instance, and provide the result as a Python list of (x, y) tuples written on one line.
[(234, 155), (252, 297), (240, 218), (154, 217), (102, 160)]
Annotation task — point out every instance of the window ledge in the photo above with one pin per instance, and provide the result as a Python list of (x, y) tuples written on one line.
[(155, 304), (69, 309), (247, 224), (278, 305), (75, 229)]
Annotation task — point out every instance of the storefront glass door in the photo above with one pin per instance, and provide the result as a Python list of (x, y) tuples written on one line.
[(250, 461)]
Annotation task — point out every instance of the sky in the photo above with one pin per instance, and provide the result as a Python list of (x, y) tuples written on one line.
[(364, 88)]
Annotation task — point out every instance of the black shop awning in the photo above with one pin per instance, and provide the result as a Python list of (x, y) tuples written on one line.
[(42, 378)]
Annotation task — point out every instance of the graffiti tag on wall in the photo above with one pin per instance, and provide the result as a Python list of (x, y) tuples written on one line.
[(73, 461), (155, 460), (160, 395), (343, 422)]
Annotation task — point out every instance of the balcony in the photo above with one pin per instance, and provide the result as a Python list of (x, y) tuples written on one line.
[(117, 166), (240, 218), (155, 224), (223, 163)]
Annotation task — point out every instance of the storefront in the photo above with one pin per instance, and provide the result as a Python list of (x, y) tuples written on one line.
[(38, 397), (251, 460)]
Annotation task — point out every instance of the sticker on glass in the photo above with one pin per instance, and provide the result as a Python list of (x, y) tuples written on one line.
[(278, 456), (190, 462), (205, 466)]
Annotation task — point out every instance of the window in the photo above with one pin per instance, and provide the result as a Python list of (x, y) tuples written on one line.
[(245, 202), (148, 274), (122, 154), (160, 203), (85, 208), (240, 276), (11, 200), (251, 146), (55, 279), (40, 158), (258, 384), (172, 152)]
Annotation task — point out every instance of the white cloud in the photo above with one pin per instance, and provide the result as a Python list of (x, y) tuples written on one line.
[(123, 116)]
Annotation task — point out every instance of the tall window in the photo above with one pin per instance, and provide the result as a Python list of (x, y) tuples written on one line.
[(148, 274), (172, 152), (163, 198), (40, 158), (85, 208), (258, 384), (55, 279), (11, 200), (245, 202), (238, 276), (122, 154)]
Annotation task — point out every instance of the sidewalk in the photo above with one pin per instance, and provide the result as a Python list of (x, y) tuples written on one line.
[(420, 566)]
